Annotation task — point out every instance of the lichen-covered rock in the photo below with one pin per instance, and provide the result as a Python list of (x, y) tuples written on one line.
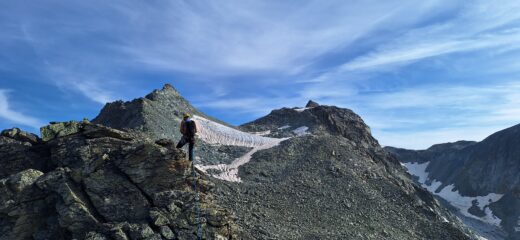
[(75, 213), (17, 134), (18, 154), (59, 129), (95, 236), (24, 209), (167, 233), (99, 183)]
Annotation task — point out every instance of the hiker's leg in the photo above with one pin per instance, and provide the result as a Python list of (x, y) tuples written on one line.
[(191, 149), (181, 143)]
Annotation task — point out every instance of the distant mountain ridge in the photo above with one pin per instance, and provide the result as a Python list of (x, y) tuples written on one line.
[(477, 169)]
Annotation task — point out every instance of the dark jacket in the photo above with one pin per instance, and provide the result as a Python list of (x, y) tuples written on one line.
[(188, 128)]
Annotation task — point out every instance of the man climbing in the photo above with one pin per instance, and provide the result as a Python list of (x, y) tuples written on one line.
[(188, 130)]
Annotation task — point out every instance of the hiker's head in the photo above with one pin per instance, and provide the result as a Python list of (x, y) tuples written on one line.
[(186, 115)]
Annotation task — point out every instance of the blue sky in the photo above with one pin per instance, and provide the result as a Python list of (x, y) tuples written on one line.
[(418, 72)]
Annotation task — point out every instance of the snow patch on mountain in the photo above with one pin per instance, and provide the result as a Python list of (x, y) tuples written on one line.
[(262, 133), (229, 172), (301, 131), (448, 193), (216, 133), (301, 109), (284, 127), (418, 170)]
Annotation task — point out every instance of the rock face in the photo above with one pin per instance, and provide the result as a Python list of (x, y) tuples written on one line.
[(19, 151), (102, 183), (477, 169), (312, 104)]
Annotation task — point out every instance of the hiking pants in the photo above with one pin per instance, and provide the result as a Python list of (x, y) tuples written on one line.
[(191, 145)]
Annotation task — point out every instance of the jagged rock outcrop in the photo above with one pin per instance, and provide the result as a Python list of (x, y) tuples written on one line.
[(21, 150), (491, 166), (102, 183), (312, 104)]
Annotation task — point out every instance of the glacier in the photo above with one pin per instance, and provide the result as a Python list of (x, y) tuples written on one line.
[(219, 134)]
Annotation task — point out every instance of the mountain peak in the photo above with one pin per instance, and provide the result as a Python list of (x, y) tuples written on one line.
[(312, 104), (168, 86), (318, 120), (167, 92), (157, 111)]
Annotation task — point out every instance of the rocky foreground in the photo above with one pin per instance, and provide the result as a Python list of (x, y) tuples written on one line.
[(86, 181)]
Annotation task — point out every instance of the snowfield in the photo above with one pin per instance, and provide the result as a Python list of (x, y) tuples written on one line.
[(462, 203), (284, 127), (218, 134), (301, 131), (301, 109)]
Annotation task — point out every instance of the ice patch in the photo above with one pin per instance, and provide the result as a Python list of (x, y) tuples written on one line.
[(284, 127), (301, 131), (216, 133), (418, 170), (462, 203), (262, 133), (301, 109)]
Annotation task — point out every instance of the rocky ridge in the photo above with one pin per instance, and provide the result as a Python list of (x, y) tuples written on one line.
[(87, 181)]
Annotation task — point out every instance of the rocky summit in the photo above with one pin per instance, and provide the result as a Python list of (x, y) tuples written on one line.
[(313, 172)]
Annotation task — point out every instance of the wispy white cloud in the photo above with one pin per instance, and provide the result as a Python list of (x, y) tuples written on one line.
[(65, 73), (253, 106), (7, 113), (86, 84), (479, 26), (411, 53), (237, 36), (418, 118)]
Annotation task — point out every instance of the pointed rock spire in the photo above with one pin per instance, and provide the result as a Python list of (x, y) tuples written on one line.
[(312, 104)]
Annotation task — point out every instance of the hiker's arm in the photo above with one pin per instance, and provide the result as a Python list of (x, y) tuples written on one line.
[(182, 127)]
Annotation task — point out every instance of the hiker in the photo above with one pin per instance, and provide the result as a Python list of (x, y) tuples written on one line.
[(188, 130)]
